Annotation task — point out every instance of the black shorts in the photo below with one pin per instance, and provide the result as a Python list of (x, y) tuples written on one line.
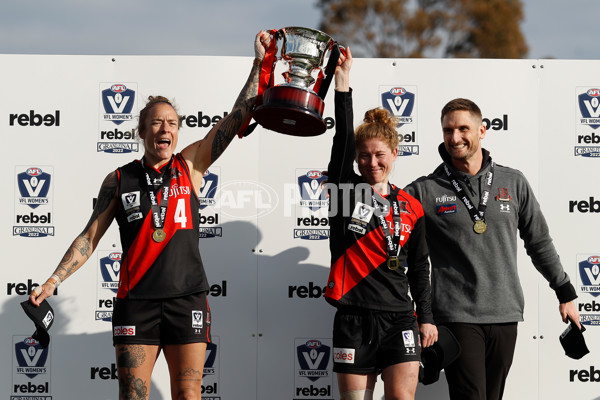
[(178, 320), (367, 341)]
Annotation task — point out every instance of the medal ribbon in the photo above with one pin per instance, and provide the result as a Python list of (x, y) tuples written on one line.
[(159, 212), (477, 214), (392, 241)]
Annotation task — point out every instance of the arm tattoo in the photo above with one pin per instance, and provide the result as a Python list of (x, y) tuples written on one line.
[(225, 134), (241, 110), (107, 193), (82, 244)]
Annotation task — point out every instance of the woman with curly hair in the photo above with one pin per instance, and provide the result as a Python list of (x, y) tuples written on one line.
[(378, 251)]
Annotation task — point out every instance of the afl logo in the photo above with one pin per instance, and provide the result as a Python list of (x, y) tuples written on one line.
[(397, 91), (593, 92), (313, 344), (118, 88), (34, 171), (314, 174), (114, 256), (594, 260)]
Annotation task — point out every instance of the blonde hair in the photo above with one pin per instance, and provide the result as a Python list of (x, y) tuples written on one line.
[(378, 123), (152, 101)]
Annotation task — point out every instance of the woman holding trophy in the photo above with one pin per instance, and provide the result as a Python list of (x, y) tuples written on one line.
[(162, 298), (376, 229)]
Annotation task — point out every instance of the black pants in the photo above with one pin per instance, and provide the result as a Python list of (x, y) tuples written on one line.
[(480, 372)]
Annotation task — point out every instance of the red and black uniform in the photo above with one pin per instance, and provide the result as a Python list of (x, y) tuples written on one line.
[(162, 296), (158, 270), (359, 275)]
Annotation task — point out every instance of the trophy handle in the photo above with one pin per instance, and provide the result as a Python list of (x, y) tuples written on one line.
[(334, 56)]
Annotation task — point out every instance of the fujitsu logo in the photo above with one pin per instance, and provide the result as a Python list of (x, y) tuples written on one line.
[(445, 198)]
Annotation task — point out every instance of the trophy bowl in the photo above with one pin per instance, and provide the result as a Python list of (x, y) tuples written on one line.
[(294, 107)]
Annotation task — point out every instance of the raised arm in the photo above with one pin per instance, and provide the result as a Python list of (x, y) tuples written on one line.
[(343, 152), (201, 154), (85, 243)]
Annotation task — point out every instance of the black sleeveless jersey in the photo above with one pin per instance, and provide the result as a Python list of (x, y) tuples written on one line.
[(172, 267)]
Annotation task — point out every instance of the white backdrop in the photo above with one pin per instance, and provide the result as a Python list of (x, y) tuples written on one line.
[(265, 250)]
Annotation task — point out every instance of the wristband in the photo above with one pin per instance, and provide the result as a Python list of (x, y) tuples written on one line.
[(37, 290), (56, 279)]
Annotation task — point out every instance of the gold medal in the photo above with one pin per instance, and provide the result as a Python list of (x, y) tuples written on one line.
[(159, 235), (479, 227), (393, 263)]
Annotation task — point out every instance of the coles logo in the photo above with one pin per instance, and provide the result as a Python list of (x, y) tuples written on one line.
[(342, 355), (124, 331)]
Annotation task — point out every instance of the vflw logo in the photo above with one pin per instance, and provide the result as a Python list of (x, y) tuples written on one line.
[(33, 187), (313, 358), (110, 266), (208, 188), (118, 103), (589, 107), (400, 103), (31, 358), (311, 190), (589, 271)]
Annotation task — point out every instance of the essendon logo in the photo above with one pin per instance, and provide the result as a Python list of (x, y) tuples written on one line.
[(400, 103), (33, 187), (124, 331), (589, 107), (503, 195), (313, 358), (118, 103), (208, 188), (311, 190), (31, 357)]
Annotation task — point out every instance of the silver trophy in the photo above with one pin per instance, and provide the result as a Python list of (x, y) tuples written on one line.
[(296, 106)]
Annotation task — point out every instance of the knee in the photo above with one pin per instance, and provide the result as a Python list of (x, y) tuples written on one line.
[(187, 394), (364, 394)]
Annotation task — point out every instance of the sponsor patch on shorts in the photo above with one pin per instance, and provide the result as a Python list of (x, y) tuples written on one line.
[(197, 319), (128, 330), (342, 355), (409, 338)]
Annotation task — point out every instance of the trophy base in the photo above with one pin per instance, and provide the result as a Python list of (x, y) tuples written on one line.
[(292, 111)]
